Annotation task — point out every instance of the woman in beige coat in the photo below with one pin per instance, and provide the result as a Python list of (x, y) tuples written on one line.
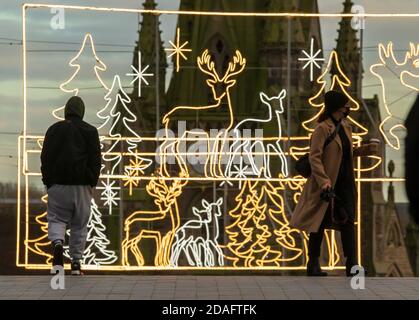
[(332, 177)]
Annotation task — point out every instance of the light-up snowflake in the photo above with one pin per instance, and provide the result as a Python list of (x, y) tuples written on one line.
[(311, 59)]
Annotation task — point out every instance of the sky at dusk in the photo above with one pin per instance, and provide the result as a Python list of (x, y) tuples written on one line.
[(115, 35)]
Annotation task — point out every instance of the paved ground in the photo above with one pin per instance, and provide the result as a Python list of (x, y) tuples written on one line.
[(206, 287)]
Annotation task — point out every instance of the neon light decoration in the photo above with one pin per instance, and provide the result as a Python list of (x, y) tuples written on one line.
[(404, 70), (42, 245), (96, 252), (202, 250), (252, 243), (340, 82), (166, 216), (110, 192), (311, 59), (178, 49), (257, 232), (139, 74), (265, 149), (100, 67), (223, 100)]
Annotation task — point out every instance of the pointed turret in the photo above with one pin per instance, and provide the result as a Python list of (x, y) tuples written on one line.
[(347, 47), (148, 43)]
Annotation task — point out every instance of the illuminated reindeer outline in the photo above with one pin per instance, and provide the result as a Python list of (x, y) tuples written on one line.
[(247, 146), (168, 213), (207, 243), (386, 54), (213, 161)]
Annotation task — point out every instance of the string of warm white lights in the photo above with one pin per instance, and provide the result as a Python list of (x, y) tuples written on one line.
[(164, 224)]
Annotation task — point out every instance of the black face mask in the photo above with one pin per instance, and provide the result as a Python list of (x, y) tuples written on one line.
[(346, 113)]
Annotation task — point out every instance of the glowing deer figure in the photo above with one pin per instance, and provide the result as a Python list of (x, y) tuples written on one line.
[(222, 103), (408, 73), (195, 238), (165, 218), (259, 146)]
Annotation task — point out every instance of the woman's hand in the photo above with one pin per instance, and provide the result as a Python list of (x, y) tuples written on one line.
[(326, 186), (373, 148)]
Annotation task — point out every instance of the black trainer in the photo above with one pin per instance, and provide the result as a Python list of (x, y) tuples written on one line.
[(76, 268), (58, 259)]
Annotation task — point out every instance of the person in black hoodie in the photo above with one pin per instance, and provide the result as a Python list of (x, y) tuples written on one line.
[(411, 160), (70, 166)]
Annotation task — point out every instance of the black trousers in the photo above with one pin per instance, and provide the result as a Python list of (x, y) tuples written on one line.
[(347, 232)]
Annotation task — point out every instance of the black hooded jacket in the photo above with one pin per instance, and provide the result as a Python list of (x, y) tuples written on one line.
[(411, 158), (71, 150)]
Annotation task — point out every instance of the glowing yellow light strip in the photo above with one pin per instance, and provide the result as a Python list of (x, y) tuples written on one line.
[(24, 81), (18, 205), (228, 14), (167, 209), (206, 66), (358, 227), (157, 139), (339, 81), (189, 153), (174, 269), (122, 177), (247, 216), (24, 167)]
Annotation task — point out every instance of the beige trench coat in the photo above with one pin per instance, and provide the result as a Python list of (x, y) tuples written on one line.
[(325, 164)]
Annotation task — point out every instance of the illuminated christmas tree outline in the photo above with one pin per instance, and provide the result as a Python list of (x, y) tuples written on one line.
[(99, 67), (96, 239), (41, 245), (252, 243), (339, 82)]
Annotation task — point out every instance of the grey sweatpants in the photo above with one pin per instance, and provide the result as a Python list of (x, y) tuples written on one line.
[(69, 206)]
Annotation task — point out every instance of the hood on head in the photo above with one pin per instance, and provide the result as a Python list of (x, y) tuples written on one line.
[(74, 107)]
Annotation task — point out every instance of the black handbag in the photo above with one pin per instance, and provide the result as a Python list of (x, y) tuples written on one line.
[(302, 166)]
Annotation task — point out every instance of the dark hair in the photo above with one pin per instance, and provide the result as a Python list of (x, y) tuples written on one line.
[(333, 100)]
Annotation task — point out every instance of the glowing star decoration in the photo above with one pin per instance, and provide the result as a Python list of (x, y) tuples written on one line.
[(407, 71), (95, 252), (140, 74), (99, 67), (340, 82), (166, 217), (311, 59), (133, 171), (238, 171), (197, 239), (222, 103), (263, 150), (241, 172), (178, 49), (110, 192)]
